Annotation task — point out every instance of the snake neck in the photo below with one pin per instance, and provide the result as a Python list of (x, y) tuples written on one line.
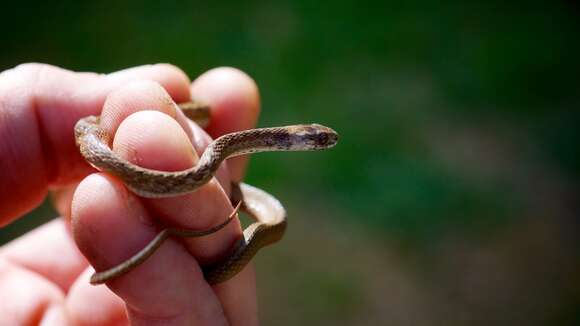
[(247, 142)]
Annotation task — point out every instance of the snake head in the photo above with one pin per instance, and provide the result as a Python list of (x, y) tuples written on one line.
[(313, 137)]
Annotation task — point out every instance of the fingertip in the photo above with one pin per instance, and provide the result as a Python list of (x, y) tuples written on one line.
[(173, 79), (101, 208), (25, 295), (233, 97), (93, 305), (235, 105), (137, 96), (145, 136), (35, 252)]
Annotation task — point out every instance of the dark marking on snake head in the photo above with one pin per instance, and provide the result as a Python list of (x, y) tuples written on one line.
[(304, 137), (324, 136), (282, 140)]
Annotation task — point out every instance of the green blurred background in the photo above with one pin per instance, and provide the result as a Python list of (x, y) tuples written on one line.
[(452, 197)]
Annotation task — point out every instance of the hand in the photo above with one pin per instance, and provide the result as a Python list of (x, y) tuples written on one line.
[(43, 276)]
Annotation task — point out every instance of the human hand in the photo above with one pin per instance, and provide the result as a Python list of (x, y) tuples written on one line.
[(43, 277)]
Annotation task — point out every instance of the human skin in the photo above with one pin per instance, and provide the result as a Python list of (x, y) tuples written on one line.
[(43, 274)]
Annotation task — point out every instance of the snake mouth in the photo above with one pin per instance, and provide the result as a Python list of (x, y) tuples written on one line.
[(329, 138)]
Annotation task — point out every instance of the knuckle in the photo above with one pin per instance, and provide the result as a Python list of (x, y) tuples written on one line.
[(28, 69), (26, 74)]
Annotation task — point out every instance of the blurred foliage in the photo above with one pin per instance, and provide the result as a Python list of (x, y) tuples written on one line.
[(459, 142)]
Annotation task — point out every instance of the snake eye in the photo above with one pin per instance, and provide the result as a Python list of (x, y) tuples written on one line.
[(313, 137), (323, 138), (328, 139)]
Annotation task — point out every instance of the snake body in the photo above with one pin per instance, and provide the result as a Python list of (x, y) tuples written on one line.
[(269, 214)]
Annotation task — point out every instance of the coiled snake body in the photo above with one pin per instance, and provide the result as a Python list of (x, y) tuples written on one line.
[(269, 214)]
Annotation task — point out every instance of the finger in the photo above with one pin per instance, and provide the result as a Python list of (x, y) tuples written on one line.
[(154, 140), (35, 251), (165, 147), (235, 105), (39, 105), (138, 96), (93, 305), (25, 295), (110, 225)]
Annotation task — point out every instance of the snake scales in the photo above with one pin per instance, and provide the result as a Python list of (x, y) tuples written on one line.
[(268, 213)]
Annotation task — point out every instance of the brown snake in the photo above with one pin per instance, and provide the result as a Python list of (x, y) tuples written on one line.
[(268, 213)]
